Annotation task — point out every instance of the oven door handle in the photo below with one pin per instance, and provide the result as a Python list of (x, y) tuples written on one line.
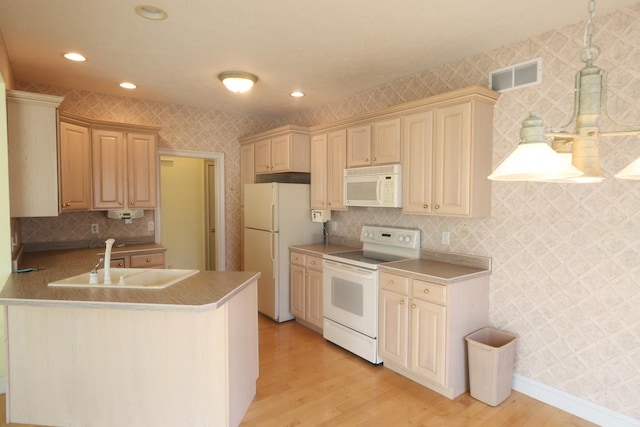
[(351, 268)]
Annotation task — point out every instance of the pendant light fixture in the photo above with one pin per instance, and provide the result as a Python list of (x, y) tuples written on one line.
[(237, 81), (573, 156)]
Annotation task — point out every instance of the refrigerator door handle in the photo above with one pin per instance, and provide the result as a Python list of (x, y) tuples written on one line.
[(273, 216), (272, 251)]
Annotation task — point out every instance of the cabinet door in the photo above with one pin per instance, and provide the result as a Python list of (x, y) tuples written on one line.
[(336, 163), (262, 156), (386, 142), (107, 153), (452, 160), (428, 331), (142, 170), (32, 131), (247, 169), (417, 157), (75, 167), (393, 328), (296, 291), (281, 153), (359, 146), (314, 297), (319, 168)]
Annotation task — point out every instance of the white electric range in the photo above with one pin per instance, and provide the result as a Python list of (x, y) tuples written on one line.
[(350, 287)]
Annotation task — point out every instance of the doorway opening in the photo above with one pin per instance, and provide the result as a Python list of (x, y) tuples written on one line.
[(191, 194)]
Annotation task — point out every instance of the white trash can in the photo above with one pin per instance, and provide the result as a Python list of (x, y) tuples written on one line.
[(492, 355)]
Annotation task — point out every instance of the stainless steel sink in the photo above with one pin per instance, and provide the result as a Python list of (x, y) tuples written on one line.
[(129, 278)]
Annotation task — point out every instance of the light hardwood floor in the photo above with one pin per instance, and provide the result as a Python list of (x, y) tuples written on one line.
[(306, 381)]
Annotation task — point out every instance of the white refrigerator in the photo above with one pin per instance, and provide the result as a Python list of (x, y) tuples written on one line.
[(276, 216)]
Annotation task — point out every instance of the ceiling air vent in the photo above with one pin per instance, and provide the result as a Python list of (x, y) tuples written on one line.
[(516, 76)]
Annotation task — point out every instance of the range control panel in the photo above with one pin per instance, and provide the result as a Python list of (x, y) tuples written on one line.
[(390, 236)]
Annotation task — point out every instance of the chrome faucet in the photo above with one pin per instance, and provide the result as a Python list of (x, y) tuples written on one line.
[(107, 261)]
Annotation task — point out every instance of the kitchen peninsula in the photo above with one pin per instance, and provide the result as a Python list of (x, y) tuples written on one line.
[(183, 355)]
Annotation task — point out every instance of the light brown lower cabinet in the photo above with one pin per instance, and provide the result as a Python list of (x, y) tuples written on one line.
[(422, 326), (306, 289)]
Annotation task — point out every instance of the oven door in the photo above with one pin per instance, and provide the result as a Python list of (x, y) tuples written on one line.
[(350, 297)]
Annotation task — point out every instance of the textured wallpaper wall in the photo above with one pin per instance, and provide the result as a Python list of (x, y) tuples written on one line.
[(566, 275)]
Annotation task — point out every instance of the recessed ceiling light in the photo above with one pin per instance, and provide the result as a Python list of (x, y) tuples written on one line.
[(151, 12), (297, 94), (72, 56), (127, 85)]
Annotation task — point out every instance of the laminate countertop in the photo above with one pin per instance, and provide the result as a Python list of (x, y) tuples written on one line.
[(435, 266), (206, 290)]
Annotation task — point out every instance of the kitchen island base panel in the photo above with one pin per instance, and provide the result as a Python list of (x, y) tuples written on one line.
[(106, 367)]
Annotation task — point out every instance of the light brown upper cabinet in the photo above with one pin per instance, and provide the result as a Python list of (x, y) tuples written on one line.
[(375, 144), (287, 152), (124, 169), (447, 158), (328, 161), (32, 136), (74, 156)]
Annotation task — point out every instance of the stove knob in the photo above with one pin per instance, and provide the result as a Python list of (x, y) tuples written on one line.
[(400, 238), (407, 239)]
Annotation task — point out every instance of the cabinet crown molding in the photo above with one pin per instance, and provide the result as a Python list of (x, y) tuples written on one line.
[(282, 130), (103, 124)]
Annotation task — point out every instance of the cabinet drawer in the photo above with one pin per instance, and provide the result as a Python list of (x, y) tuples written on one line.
[(297, 258), (429, 292), (118, 263), (155, 260), (394, 283), (314, 263)]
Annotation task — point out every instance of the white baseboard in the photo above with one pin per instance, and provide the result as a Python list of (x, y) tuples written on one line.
[(574, 405)]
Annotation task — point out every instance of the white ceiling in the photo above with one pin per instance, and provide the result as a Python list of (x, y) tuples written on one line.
[(327, 48)]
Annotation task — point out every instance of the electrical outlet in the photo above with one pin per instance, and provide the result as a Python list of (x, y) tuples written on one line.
[(446, 237), (151, 226), (94, 229)]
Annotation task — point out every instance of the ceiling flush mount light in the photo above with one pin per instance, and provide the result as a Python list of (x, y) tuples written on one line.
[(127, 85), (574, 156), (151, 12), (237, 81), (73, 56), (296, 94)]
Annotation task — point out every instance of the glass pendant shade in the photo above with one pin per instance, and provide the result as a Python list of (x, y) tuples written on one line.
[(630, 172), (533, 159), (237, 81)]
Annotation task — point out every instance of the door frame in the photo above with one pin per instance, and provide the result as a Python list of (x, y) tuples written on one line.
[(219, 190)]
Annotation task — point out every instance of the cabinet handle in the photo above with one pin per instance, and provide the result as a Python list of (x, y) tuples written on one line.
[(426, 206), (413, 306), (437, 206), (300, 273), (132, 203), (426, 291), (401, 302), (391, 282), (313, 262), (328, 203), (366, 160), (306, 274), (373, 159), (148, 260)]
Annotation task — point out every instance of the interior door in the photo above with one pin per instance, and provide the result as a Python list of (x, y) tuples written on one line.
[(260, 249)]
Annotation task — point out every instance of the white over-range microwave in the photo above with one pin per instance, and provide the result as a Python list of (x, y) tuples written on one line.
[(379, 186)]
